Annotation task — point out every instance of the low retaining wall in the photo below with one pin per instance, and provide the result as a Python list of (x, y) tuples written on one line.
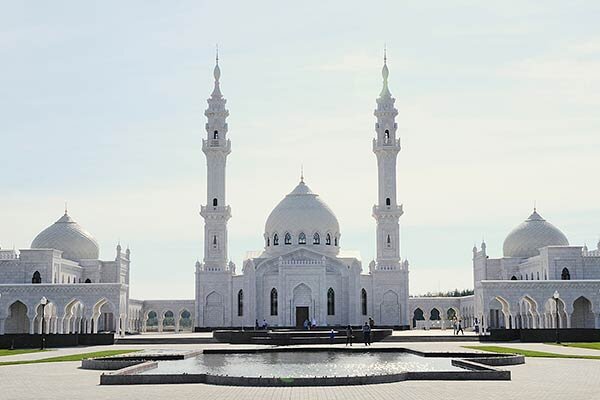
[(543, 335), (24, 340)]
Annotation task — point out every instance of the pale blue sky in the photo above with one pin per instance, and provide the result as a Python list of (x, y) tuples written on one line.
[(102, 105)]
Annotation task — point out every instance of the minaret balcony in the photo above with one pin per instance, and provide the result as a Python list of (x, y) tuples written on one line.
[(223, 145), (387, 211), (386, 145), (215, 212)]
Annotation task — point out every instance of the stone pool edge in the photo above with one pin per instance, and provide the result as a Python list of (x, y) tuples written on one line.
[(478, 366)]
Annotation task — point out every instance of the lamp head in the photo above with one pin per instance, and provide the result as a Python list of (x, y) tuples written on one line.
[(556, 295), (44, 301)]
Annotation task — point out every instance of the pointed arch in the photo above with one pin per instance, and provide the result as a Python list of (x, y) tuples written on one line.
[(328, 239), (17, 320), (273, 301), (240, 303), (287, 238), (275, 240), (565, 275), (363, 302), (316, 238), (301, 238), (330, 302), (36, 277)]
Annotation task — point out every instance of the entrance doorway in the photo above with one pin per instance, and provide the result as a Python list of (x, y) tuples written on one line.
[(301, 316)]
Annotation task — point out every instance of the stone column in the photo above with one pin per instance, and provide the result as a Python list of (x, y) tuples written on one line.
[(177, 325), (160, 324), (2, 326)]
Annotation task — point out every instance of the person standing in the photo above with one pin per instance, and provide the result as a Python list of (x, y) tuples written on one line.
[(459, 327), (332, 336), (367, 334), (349, 335)]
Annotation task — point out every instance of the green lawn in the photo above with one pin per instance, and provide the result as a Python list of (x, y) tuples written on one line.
[(4, 352), (589, 345), (529, 353), (73, 357)]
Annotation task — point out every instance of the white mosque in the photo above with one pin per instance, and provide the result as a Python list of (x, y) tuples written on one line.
[(59, 285)]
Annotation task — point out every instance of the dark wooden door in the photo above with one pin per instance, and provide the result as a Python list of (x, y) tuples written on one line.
[(301, 316)]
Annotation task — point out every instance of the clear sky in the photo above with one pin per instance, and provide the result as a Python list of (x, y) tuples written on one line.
[(101, 105)]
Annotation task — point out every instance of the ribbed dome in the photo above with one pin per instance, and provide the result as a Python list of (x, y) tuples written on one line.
[(68, 236), (302, 212), (527, 238)]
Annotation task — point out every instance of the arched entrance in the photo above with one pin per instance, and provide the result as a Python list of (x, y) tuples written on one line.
[(418, 315), (582, 316), (302, 304), (17, 320), (434, 315)]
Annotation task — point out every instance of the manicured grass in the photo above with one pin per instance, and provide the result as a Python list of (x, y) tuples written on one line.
[(4, 352), (589, 345), (72, 357), (529, 353)]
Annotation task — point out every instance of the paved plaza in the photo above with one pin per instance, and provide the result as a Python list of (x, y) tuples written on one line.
[(539, 378)]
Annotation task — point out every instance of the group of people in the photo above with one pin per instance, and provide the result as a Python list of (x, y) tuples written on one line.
[(312, 324), (457, 326), (366, 331)]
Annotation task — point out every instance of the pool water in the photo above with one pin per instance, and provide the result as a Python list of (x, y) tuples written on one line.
[(298, 365)]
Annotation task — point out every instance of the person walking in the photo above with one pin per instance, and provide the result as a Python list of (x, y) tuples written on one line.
[(366, 334), (459, 327), (332, 336), (349, 335)]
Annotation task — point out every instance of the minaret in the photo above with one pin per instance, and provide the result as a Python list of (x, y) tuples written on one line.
[(387, 212), (216, 146)]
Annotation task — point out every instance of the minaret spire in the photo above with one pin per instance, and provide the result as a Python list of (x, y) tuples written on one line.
[(385, 73)]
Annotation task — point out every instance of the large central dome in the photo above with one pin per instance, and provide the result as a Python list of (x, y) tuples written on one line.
[(526, 239), (302, 219), (68, 236)]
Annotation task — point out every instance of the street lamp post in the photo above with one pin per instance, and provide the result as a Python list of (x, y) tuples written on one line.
[(556, 296), (43, 302)]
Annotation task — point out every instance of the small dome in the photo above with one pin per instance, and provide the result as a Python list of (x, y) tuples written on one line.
[(526, 239), (302, 212), (68, 236)]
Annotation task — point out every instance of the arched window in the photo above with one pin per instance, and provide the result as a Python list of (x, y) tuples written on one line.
[(215, 241), (514, 278), (388, 202), (538, 275), (273, 301), (215, 202), (532, 276), (565, 275), (215, 134), (328, 240), (68, 279), (389, 241), (275, 240), (316, 239), (301, 238), (36, 278), (335, 241), (287, 239), (387, 134), (268, 242), (363, 302), (88, 280), (240, 303), (330, 302)]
